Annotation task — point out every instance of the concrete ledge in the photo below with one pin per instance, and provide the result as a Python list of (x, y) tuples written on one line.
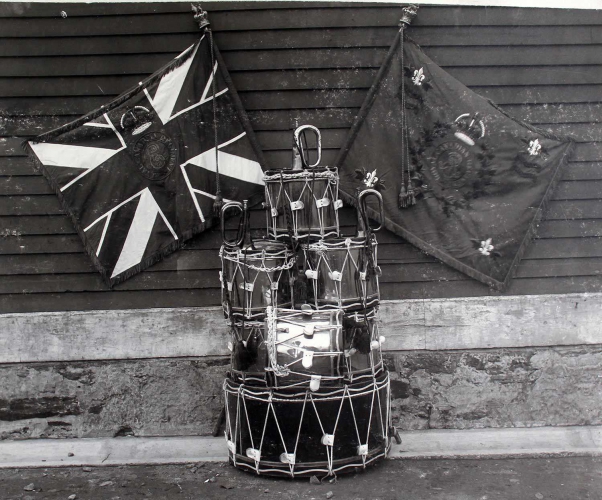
[(474, 443), (436, 324), (500, 443)]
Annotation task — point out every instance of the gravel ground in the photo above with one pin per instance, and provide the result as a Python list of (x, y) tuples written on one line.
[(573, 478)]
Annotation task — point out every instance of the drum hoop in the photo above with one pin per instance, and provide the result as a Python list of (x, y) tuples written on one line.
[(330, 173), (341, 244), (350, 305), (333, 394), (245, 262), (361, 373), (249, 324), (285, 313), (307, 468), (255, 254), (360, 315)]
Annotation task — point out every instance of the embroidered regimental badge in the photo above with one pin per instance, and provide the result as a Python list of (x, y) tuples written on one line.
[(453, 163), (155, 155)]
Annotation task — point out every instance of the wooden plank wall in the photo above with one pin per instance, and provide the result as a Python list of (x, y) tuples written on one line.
[(311, 61)]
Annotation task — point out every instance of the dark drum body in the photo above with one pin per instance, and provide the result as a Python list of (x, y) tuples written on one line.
[(303, 204), (256, 277), (249, 353), (288, 432), (297, 349), (342, 272)]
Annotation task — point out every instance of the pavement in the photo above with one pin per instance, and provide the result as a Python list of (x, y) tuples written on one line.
[(573, 478)]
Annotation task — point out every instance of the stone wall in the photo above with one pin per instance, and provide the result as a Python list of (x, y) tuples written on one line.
[(117, 398), (461, 389), (524, 387)]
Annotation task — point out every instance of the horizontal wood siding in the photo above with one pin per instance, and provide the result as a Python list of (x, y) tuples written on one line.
[(314, 62)]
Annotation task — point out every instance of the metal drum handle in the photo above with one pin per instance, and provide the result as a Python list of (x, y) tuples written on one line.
[(243, 224), (362, 210), (299, 145)]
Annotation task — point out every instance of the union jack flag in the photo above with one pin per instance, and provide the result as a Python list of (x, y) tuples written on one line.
[(138, 176)]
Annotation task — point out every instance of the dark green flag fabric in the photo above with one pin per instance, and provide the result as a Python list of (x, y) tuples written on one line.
[(465, 183)]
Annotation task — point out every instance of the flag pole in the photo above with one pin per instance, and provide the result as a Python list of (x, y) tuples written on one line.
[(200, 16), (408, 15)]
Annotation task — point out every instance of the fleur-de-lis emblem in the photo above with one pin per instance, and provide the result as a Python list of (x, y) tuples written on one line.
[(486, 247), (418, 77), (370, 179), (534, 147)]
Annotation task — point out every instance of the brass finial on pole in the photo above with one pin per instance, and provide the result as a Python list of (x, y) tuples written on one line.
[(409, 13), (200, 15)]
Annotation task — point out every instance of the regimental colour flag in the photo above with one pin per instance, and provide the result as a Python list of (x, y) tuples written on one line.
[(138, 176), (461, 180)]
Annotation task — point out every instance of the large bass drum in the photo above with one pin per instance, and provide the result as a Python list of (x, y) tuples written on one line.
[(303, 204), (342, 272), (288, 432), (256, 277)]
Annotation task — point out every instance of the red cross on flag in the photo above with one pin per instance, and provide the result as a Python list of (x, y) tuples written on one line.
[(138, 176)]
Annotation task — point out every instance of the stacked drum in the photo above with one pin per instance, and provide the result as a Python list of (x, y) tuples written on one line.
[(307, 393)]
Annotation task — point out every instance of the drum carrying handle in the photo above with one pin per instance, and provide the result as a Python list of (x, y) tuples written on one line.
[(300, 147), (364, 224), (242, 225)]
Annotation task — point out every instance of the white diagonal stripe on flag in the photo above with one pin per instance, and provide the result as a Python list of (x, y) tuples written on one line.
[(230, 165), (66, 155), (139, 233), (170, 87)]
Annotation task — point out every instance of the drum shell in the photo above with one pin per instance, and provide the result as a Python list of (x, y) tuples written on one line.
[(284, 187), (362, 340), (277, 421), (291, 343), (342, 273), (342, 345), (254, 279), (248, 362)]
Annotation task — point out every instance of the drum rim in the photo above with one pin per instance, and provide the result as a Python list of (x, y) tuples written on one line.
[(380, 381), (338, 465), (345, 380), (250, 253), (276, 174), (339, 243)]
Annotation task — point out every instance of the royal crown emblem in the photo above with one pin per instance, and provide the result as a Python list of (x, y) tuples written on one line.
[(136, 119), (469, 128), (408, 14)]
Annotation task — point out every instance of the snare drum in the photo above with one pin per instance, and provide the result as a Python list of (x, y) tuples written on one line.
[(363, 344), (302, 433), (304, 201), (249, 353), (256, 277), (342, 273), (321, 348)]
